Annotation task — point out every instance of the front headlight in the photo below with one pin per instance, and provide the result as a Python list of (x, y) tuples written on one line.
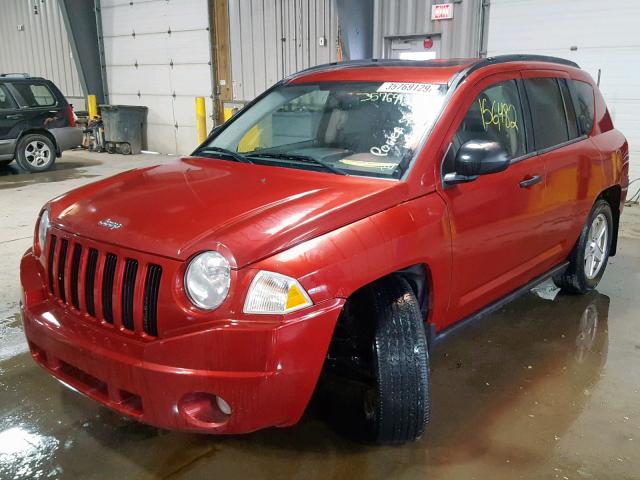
[(43, 226), (273, 293), (207, 280)]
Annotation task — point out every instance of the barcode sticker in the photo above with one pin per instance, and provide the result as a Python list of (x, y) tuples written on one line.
[(405, 87)]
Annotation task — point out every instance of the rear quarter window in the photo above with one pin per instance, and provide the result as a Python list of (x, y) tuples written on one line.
[(583, 101), (6, 102), (36, 95)]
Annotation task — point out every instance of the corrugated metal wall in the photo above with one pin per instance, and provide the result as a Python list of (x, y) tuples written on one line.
[(271, 39), (38, 44), (459, 36)]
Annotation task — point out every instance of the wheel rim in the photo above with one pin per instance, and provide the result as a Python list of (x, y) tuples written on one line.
[(596, 249), (37, 153)]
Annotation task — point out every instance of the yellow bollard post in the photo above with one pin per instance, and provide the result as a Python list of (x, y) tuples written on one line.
[(92, 106), (201, 120)]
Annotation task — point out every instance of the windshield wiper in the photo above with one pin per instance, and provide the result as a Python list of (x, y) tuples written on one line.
[(298, 158), (223, 151)]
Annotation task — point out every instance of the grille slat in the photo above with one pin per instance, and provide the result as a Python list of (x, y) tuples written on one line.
[(75, 273), (62, 262), (102, 285), (107, 286), (128, 287), (90, 281), (51, 262), (150, 306)]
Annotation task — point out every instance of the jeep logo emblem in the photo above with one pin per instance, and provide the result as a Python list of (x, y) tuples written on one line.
[(110, 224)]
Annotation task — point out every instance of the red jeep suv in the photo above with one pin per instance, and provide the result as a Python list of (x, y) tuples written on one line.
[(346, 221)]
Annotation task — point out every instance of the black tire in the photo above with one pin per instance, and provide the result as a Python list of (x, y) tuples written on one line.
[(26, 157), (575, 280), (400, 361), (375, 382)]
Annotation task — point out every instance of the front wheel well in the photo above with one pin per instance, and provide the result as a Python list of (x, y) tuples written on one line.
[(419, 279), (612, 196)]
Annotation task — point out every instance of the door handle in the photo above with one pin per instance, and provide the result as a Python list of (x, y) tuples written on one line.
[(530, 181), (15, 117)]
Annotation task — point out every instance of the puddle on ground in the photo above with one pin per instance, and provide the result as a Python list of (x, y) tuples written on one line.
[(540, 389), (12, 177)]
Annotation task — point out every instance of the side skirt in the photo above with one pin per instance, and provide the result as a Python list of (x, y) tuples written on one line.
[(436, 338)]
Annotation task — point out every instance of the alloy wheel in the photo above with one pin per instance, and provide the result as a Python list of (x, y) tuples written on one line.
[(37, 153), (595, 253)]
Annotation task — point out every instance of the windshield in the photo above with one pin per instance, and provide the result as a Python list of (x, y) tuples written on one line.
[(368, 129)]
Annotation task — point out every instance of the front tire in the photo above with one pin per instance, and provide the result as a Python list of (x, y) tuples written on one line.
[(589, 257), (401, 403), (378, 366), (35, 153)]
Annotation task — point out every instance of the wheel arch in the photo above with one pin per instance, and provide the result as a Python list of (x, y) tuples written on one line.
[(612, 196), (419, 278), (38, 131)]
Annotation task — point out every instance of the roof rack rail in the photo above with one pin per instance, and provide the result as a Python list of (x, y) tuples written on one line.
[(387, 62), (18, 75), (519, 58)]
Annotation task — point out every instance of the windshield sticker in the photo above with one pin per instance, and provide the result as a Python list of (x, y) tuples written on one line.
[(404, 87), (500, 114), (389, 97), (392, 139), (369, 164)]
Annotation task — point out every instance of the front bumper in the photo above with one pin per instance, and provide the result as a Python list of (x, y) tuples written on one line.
[(266, 372)]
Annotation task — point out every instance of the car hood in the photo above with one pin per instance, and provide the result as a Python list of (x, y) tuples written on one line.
[(194, 204)]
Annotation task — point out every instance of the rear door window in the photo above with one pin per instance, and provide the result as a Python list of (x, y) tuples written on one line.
[(35, 94), (547, 112), (582, 95), (495, 115), (6, 102)]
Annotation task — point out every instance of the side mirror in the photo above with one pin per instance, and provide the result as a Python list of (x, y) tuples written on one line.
[(475, 158)]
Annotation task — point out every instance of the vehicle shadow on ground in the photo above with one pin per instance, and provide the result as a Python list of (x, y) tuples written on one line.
[(11, 176), (478, 378)]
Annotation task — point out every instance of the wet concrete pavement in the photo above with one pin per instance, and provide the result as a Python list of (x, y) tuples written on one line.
[(544, 388)]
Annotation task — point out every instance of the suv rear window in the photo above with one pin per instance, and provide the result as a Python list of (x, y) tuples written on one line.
[(582, 95), (6, 102), (35, 95), (547, 112)]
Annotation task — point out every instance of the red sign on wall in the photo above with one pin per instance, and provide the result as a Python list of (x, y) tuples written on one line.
[(442, 11)]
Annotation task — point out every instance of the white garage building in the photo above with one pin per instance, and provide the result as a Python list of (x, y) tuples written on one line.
[(164, 53), (602, 37)]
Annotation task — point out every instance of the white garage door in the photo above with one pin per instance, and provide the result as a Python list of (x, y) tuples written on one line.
[(596, 34), (157, 54)]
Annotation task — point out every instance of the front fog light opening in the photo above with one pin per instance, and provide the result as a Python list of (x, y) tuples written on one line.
[(204, 409)]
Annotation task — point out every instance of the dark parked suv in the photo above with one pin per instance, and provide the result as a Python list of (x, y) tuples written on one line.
[(36, 122)]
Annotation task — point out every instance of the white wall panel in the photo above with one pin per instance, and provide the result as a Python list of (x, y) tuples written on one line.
[(605, 36), (147, 65)]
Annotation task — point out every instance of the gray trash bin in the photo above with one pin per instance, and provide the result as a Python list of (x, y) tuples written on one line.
[(124, 128)]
